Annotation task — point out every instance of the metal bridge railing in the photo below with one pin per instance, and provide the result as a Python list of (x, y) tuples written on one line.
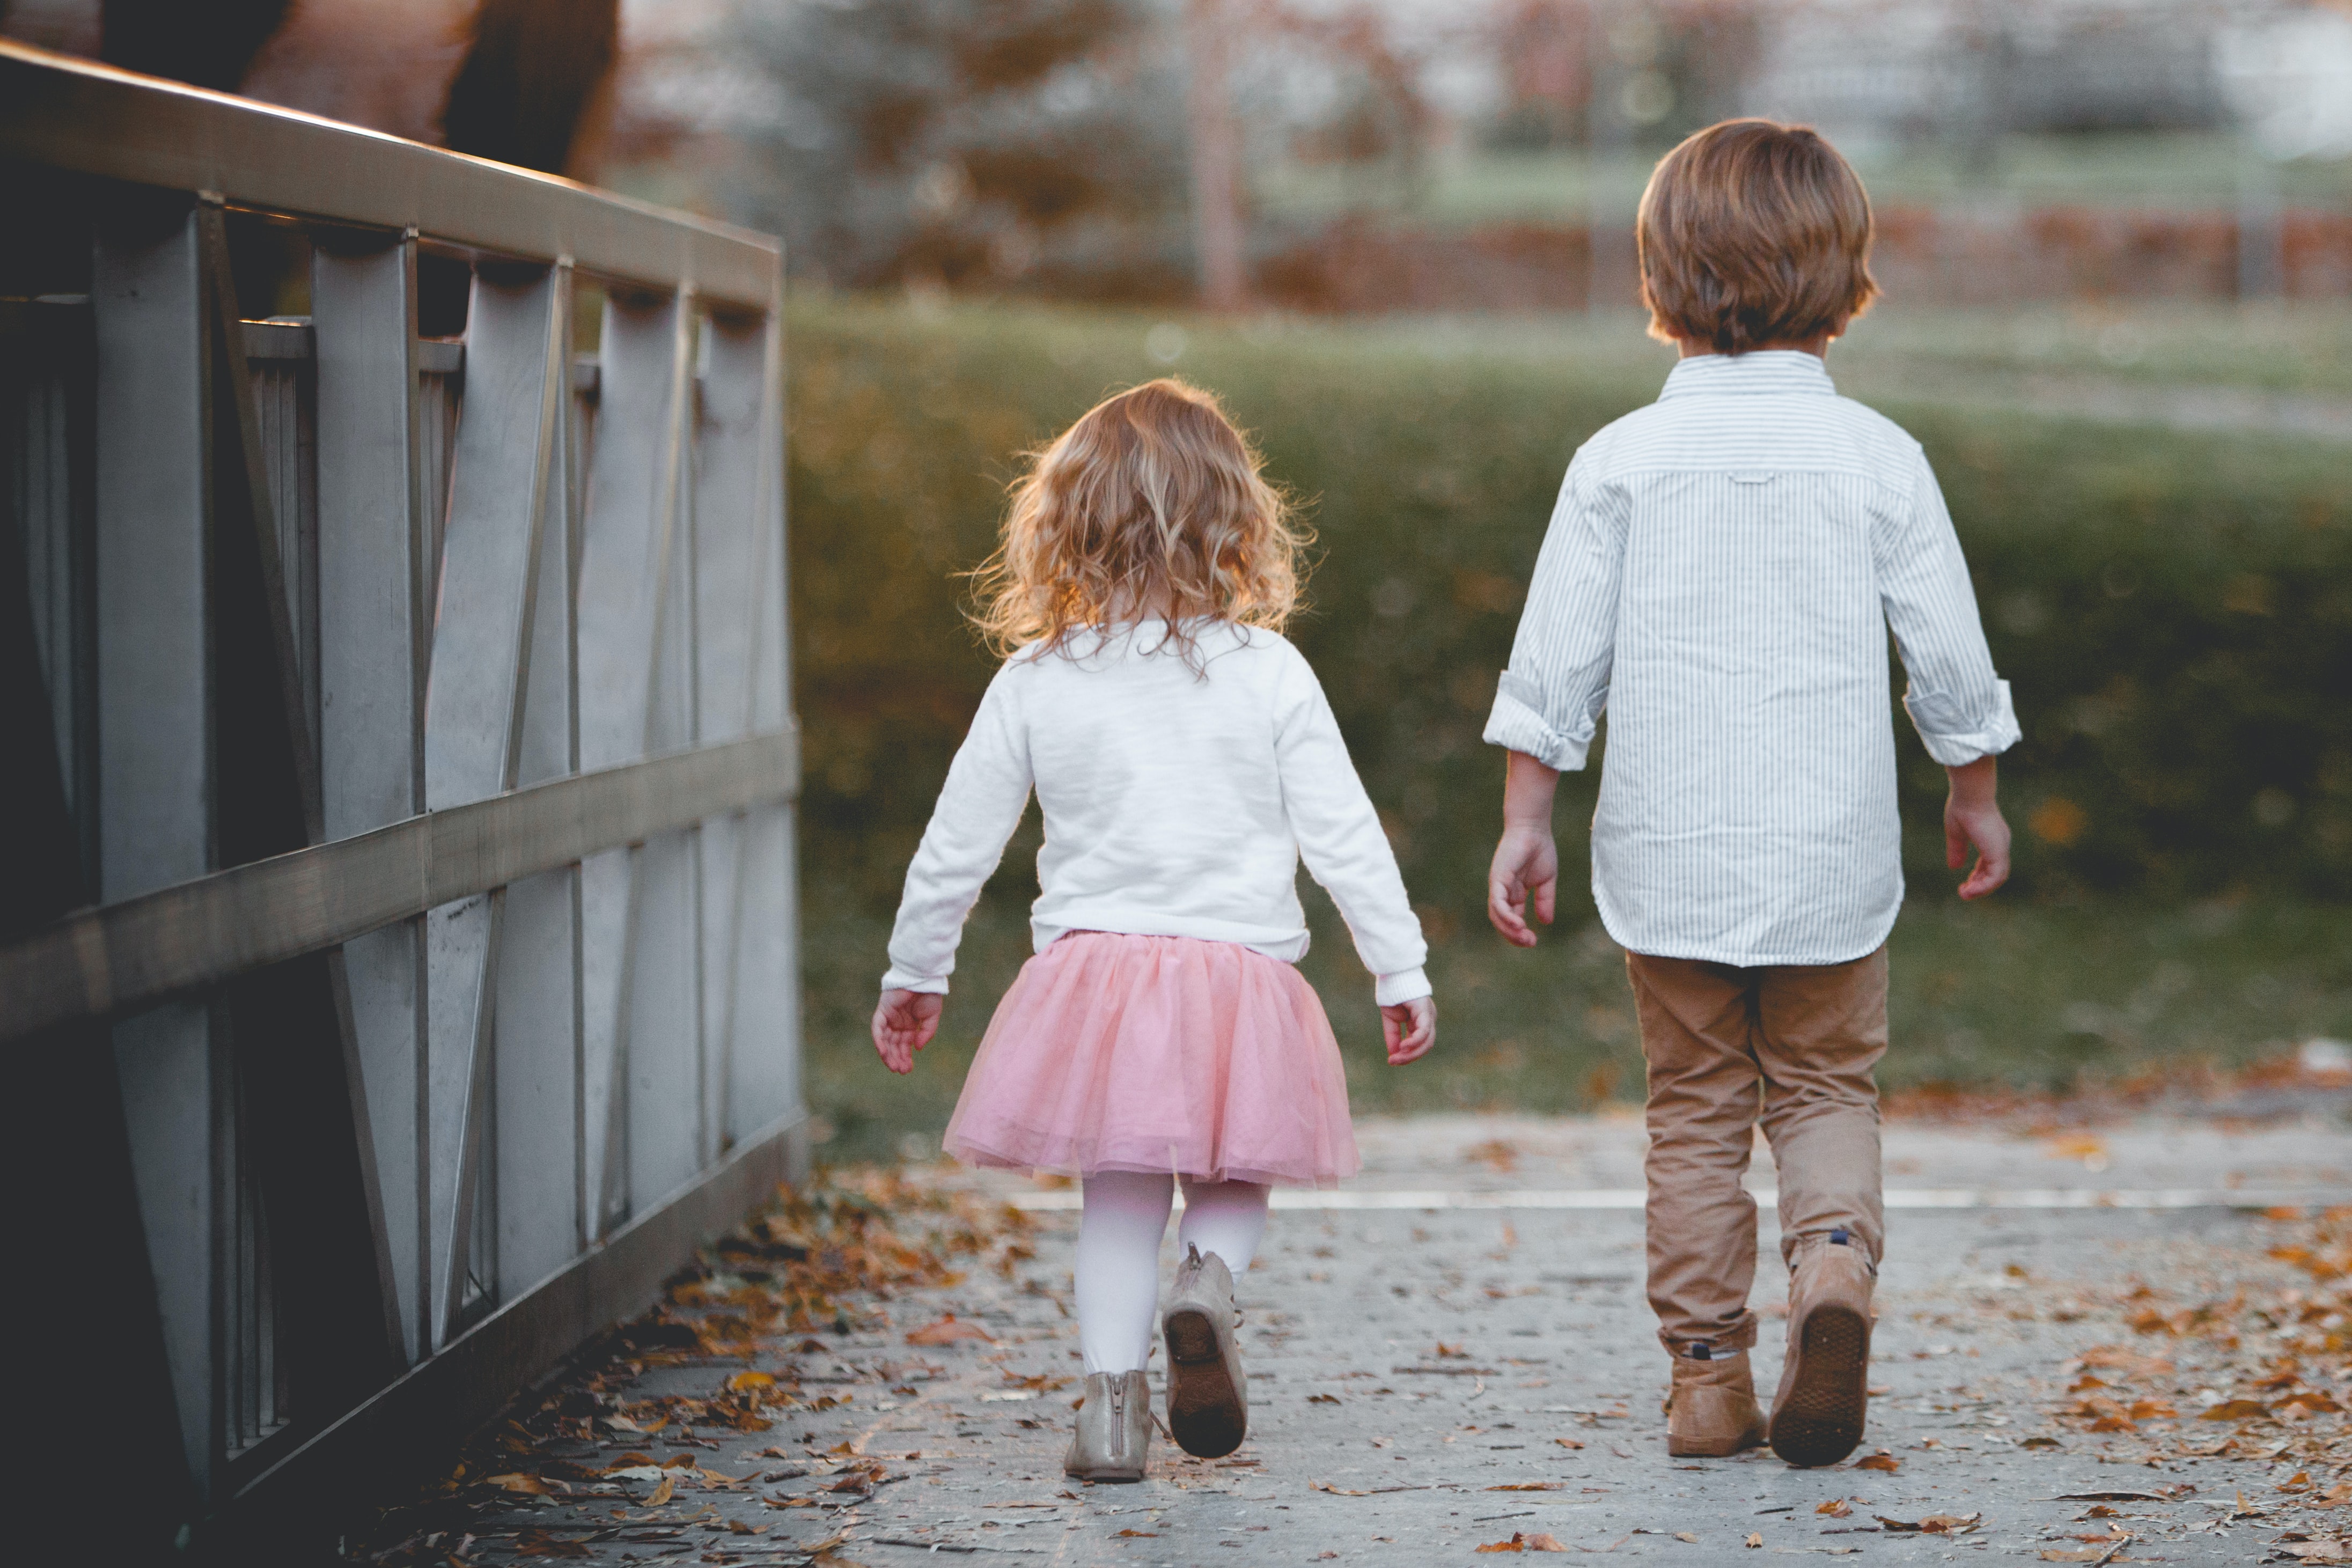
[(400, 757)]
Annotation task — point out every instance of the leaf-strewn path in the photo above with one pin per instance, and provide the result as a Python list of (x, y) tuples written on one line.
[(1460, 1361)]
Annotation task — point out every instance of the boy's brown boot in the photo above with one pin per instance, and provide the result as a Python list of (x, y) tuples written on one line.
[(1207, 1397), (1817, 1416), (1712, 1411), (1114, 1428)]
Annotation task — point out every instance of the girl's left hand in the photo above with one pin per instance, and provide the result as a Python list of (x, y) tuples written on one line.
[(903, 1024), (1410, 1028)]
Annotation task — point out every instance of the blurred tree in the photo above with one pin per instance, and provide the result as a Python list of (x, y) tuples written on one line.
[(972, 143)]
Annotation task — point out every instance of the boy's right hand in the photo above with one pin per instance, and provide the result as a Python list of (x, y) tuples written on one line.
[(1527, 863), (903, 1024), (1410, 1028), (1972, 816)]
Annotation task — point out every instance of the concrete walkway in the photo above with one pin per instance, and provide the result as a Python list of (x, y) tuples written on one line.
[(1464, 1356)]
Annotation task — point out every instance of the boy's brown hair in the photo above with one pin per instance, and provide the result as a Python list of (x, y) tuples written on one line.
[(1752, 232)]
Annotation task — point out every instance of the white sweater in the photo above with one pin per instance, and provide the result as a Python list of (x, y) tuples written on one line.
[(1178, 803)]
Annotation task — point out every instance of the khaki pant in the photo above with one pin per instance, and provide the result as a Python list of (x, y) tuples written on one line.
[(1795, 1043)]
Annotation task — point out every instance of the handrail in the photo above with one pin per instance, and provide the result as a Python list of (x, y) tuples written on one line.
[(69, 113), (118, 958)]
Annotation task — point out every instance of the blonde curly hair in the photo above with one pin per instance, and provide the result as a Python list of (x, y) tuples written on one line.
[(1151, 505)]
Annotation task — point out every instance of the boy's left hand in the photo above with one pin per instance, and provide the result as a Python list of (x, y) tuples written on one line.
[(903, 1024), (1410, 1028)]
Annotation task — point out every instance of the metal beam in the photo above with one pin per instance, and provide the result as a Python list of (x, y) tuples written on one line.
[(91, 119), (141, 951)]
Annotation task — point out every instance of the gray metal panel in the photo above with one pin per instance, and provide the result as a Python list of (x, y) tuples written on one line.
[(372, 529), (535, 1066), (625, 552), (730, 542), (517, 336), (155, 739), (78, 115)]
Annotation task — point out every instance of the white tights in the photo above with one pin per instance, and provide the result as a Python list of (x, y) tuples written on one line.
[(1119, 1253)]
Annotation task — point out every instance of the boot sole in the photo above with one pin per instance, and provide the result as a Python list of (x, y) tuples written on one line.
[(1708, 1448), (1205, 1414), (1096, 1476), (1821, 1421)]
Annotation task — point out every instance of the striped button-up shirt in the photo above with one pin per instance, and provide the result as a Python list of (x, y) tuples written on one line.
[(1719, 575)]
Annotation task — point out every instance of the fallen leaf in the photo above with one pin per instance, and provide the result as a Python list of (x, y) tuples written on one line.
[(662, 1494), (1527, 1486), (948, 1330), (1755, 1540), (744, 1381), (2316, 1551), (1517, 1542), (1881, 1461), (519, 1481), (1567, 1442), (538, 1543), (1139, 1534), (1836, 1508), (2234, 1410), (1934, 1524), (1311, 1399), (1685, 1536), (1543, 1541), (2037, 1443), (2067, 1554), (1336, 1492)]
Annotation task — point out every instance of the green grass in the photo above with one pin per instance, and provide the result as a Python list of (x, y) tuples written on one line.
[(2166, 170), (2176, 612)]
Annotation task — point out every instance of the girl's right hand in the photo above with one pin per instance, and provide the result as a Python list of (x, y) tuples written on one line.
[(1410, 1028), (903, 1024)]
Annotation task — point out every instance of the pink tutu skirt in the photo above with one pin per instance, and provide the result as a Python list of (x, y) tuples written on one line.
[(1159, 1053)]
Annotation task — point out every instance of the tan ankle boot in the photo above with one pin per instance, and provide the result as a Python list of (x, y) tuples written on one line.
[(1207, 1397), (1818, 1414), (1114, 1428), (1712, 1412)]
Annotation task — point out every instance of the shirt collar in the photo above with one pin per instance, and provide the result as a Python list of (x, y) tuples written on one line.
[(1764, 371)]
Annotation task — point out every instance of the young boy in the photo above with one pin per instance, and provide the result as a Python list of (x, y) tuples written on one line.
[(1719, 575)]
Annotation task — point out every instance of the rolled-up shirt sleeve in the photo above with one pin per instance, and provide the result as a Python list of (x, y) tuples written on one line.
[(1962, 709), (1548, 702)]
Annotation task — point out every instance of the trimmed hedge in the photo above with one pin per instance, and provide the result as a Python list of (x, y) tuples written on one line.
[(2174, 611)]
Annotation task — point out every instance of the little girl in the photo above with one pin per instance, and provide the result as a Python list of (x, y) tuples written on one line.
[(1185, 760)]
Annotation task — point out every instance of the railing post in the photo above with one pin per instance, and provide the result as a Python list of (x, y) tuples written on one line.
[(371, 593), (639, 906), (500, 481), (155, 751)]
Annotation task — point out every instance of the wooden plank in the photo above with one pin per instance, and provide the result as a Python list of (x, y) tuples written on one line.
[(91, 119), (154, 704), (372, 532)]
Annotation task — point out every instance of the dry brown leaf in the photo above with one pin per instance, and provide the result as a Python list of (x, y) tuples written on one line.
[(1528, 1486), (1139, 1535), (1542, 1540), (1337, 1491), (1836, 1508), (1881, 1461), (1567, 1442), (2236, 1410), (519, 1482), (1755, 1540), (2316, 1551), (662, 1493), (948, 1330), (2068, 1554), (1934, 1524), (1685, 1536), (1517, 1542)]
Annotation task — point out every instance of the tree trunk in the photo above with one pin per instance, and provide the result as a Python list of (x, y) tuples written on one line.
[(1217, 159)]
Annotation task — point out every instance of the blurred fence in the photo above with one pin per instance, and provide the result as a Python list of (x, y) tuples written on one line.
[(401, 762), (1923, 256)]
